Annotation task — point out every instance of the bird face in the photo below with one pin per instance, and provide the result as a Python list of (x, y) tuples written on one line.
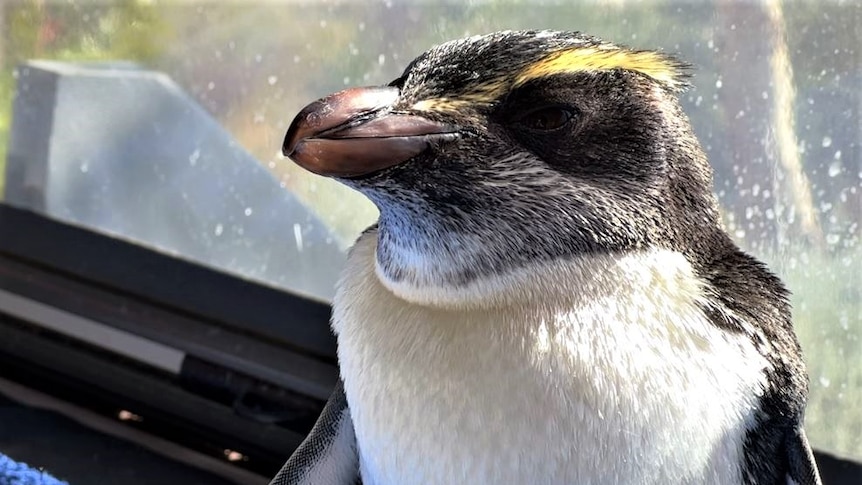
[(496, 151)]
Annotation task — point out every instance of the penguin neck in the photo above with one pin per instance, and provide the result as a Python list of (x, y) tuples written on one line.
[(426, 279), (416, 250)]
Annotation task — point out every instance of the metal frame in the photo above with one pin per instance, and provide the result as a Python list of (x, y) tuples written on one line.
[(210, 360)]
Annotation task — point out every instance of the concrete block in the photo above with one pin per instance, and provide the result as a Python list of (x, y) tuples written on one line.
[(125, 151)]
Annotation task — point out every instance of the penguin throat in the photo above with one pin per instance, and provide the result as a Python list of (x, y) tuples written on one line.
[(418, 252), (413, 267), (442, 279)]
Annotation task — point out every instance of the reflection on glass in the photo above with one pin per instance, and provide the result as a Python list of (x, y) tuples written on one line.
[(774, 100)]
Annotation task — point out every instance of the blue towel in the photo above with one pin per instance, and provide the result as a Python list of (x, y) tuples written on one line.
[(14, 473)]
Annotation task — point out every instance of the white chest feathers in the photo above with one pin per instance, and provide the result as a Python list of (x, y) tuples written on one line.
[(600, 370)]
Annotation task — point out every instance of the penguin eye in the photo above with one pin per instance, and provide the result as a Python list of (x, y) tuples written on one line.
[(546, 118)]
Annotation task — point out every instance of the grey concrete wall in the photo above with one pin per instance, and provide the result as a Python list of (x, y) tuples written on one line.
[(127, 152)]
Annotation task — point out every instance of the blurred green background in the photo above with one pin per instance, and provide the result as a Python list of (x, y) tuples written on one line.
[(775, 101)]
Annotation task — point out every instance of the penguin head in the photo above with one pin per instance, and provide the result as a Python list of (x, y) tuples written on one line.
[(498, 151)]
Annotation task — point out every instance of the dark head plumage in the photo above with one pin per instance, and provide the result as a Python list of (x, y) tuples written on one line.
[(496, 150)]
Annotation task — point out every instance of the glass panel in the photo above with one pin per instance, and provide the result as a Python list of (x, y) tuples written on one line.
[(775, 101)]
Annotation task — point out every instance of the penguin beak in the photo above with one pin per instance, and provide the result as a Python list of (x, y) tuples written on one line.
[(353, 133)]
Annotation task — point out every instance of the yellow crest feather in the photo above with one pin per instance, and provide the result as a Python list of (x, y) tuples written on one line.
[(657, 66), (652, 64)]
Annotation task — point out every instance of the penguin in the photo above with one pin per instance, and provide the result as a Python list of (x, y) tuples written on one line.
[(548, 295)]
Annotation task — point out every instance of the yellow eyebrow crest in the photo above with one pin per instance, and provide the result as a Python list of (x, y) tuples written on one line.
[(657, 66)]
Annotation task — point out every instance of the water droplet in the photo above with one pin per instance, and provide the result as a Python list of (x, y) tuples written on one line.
[(85, 167), (834, 168), (837, 155), (824, 381), (211, 85), (247, 211), (193, 158), (297, 234), (718, 83), (218, 229), (272, 80), (827, 141), (381, 59)]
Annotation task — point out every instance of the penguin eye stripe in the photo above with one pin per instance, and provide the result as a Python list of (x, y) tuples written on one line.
[(546, 118)]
